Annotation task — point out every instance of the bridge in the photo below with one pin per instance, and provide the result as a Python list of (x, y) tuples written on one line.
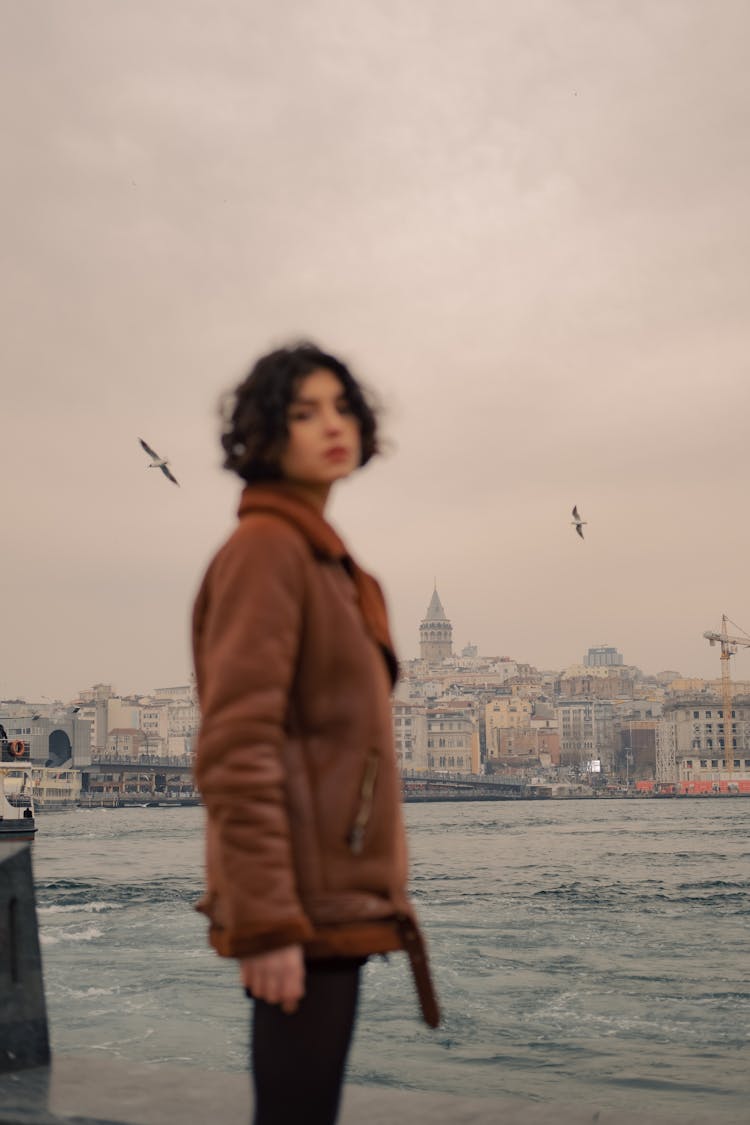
[(115, 781), (111, 779), (431, 785)]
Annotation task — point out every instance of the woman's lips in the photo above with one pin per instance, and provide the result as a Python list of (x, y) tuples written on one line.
[(338, 453)]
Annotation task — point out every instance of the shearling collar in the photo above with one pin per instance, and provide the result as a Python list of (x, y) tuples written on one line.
[(283, 499)]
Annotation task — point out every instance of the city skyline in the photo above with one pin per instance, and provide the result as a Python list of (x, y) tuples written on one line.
[(139, 691), (531, 241)]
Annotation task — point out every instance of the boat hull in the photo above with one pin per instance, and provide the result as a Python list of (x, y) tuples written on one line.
[(17, 831)]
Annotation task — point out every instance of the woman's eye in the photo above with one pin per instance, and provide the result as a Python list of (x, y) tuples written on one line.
[(299, 415), (344, 408)]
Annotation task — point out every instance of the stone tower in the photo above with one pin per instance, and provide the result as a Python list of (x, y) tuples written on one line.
[(435, 632)]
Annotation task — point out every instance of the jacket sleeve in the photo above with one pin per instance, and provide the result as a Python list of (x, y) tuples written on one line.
[(246, 647)]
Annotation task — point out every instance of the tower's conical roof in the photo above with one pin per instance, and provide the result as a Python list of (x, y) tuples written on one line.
[(435, 611)]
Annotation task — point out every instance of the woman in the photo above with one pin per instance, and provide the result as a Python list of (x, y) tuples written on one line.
[(306, 857)]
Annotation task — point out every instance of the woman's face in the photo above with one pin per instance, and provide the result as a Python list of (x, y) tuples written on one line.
[(324, 443)]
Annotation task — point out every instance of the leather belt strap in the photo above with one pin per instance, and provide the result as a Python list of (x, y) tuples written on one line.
[(417, 953)]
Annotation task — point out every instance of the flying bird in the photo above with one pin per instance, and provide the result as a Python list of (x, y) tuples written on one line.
[(577, 522), (158, 462)]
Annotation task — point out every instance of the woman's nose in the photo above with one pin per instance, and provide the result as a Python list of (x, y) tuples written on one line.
[(333, 422)]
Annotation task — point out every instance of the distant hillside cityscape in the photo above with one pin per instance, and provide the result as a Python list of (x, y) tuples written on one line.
[(455, 713)]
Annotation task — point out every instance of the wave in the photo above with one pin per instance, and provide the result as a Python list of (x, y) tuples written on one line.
[(58, 894), (85, 993), (91, 933), (77, 908), (708, 893)]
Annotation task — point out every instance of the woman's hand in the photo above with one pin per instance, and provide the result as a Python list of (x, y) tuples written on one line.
[(278, 977)]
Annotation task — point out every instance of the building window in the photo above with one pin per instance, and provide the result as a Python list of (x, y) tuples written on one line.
[(714, 762), (689, 765), (708, 714), (704, 763), (696, 714)]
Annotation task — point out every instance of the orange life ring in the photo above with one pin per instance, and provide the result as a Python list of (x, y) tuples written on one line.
[(17, 748)]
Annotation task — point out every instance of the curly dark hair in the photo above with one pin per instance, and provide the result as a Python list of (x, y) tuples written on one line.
[(254, 415)]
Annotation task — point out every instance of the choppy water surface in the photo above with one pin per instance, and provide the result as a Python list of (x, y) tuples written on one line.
[(585, 951)]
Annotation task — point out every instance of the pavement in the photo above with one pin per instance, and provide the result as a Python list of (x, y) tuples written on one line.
[(87, 1089)]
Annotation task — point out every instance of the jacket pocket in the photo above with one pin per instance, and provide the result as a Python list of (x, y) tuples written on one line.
[(356, 836)]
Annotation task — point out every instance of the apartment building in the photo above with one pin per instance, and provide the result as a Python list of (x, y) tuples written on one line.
[(699, 733), (587, 733)]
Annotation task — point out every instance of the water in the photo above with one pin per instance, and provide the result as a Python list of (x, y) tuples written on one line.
[(585, 952)]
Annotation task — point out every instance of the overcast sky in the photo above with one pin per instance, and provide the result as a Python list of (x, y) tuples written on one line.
[(523, 222)]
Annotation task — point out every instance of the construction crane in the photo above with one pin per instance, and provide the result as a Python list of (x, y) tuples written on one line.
[(729, 646)]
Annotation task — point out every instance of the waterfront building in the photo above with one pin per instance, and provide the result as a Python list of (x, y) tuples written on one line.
[(547, 736), (694, 733), (452, 739), (410, 733), (437, 734), (106, 712), (587, 733), (184, 721), (126, 744), (154, 723), (502, 717), (520, 734), (93, 705), (54, 740), (636, 755), (167, 717)]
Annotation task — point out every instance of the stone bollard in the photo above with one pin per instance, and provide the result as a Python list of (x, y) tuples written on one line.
[(24, 1039)]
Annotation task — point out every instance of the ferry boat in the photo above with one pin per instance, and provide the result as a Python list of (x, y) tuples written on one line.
[(52, 788), (16, 813), (48, 787)]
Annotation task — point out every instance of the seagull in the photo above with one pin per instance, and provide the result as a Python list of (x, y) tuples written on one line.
[(158, 462), (577, 522)]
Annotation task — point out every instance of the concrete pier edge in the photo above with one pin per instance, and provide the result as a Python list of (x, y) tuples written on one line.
[(88, 1089)]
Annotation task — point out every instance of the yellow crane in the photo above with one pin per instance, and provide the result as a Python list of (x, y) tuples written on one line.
[(729, 645)]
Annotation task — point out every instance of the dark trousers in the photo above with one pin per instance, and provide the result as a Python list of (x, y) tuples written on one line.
[(298, 1060)]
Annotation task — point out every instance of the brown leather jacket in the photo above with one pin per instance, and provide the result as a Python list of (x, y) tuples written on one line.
[(295, 759)]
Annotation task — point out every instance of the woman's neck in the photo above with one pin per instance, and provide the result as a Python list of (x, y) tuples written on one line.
[(315, 494)]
